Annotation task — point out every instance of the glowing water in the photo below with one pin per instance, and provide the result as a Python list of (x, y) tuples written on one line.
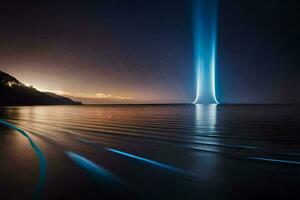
[(151, 162), (42, 160), (96, 171), (205, 41)]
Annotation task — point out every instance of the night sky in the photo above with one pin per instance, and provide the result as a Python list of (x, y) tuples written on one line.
[(142, 50)]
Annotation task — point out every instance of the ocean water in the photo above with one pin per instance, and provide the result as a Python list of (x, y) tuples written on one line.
[(150, 152)]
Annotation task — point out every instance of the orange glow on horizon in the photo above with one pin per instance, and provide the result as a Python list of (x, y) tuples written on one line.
[(85, 95)]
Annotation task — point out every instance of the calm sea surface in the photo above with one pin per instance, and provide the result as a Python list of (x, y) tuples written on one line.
[(150, 152)]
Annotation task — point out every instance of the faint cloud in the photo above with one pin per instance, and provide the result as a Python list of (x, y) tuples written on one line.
[(94, 96)]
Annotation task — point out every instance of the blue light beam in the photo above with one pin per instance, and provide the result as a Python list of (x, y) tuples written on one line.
[(205, 46), (96, 171), (148, 161)]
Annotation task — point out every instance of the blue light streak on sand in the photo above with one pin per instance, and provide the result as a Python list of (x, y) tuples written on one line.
[(42, 160), (275, 160), (148, 161), (205, 48), (96, 171)]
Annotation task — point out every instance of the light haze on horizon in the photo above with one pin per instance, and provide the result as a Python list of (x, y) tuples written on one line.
[(143, 51)]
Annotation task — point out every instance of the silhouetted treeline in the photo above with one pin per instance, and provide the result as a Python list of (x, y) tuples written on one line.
[(13, 92)]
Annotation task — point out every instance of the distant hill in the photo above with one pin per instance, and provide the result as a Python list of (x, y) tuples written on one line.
[(13, 93)]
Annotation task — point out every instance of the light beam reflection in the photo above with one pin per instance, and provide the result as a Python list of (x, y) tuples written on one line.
[(206, 117)]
